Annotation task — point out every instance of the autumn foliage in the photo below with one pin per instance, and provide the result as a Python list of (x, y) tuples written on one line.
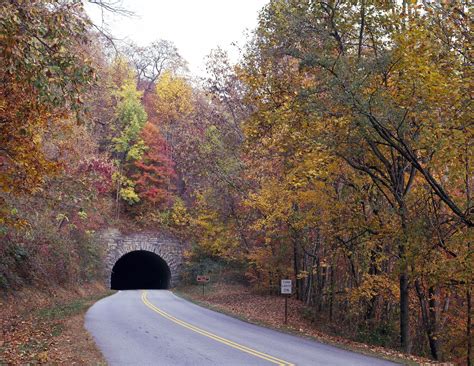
[(337, 152), (154, 181)]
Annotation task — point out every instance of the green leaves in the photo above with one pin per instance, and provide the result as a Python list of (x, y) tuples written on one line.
[(131, 119)]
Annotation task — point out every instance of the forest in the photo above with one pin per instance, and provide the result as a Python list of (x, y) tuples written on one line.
[(337, 152)]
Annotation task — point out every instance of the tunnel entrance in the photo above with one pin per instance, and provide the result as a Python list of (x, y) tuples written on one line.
[(140, 269)]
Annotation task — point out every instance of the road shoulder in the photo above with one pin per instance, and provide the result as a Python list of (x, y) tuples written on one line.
[(228, 300), (47, 326)]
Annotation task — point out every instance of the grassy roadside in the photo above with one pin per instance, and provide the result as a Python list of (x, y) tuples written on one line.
[(237, 301), (47, 327)]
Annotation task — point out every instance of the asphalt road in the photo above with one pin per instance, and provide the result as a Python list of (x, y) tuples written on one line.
[(155, 327)]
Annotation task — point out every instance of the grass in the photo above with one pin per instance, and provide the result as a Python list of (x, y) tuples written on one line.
[(33, 346), (65, 310)]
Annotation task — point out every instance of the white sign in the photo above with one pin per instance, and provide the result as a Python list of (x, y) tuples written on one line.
[(286, 286)]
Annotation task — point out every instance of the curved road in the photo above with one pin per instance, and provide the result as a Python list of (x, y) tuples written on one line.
[(155, 327)]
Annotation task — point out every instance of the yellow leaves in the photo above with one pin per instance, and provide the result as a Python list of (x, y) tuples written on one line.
[(128, 90), (215, 235), (82, 214), (174, 98), (423, 71), (273, 201), (121, 73), (129, 195), (61, 217), (23, 162), (373, 285), (179, 214), (126, 190), (43, 357)]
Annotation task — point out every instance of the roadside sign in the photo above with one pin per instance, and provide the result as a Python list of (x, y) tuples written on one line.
[(286, 290), (203, 278), (286, 287)]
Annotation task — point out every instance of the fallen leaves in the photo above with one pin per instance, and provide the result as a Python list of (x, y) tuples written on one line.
[(266, 310), (30, 334)]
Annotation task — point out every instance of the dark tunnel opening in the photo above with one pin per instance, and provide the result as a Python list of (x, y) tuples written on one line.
[(140, 269)]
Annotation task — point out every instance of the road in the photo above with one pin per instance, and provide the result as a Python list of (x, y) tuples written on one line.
[(156, 327)]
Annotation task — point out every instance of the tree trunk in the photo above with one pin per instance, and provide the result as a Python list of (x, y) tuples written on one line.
[(361, 29), (117, 194), (404, 291), (331, 292), (296, 268), (373, 270), (404, 313), (430, 315), (433, 311), (470, 359), (470, 356)]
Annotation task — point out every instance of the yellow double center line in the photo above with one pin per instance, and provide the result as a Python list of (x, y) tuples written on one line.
[(213, 336)]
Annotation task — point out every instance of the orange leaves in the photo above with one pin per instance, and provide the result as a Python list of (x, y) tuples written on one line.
[(41, 76), (24, 163)]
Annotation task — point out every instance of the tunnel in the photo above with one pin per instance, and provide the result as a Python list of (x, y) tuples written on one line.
[(140, 269)]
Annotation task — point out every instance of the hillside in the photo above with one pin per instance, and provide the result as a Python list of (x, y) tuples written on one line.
[(337, 152)]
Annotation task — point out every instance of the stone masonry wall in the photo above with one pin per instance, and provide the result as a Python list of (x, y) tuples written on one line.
[(167, 247)]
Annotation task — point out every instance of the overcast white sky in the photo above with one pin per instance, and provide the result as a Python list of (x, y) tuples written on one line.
[(195, 26)]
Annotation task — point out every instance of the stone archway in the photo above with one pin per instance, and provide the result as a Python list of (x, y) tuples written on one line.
[(140, 269), (163, 245)]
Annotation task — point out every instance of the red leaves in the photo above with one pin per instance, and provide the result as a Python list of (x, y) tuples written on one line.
[(100, 171), (155, 179)]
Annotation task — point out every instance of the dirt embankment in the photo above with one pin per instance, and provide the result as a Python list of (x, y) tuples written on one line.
[(47, 326)]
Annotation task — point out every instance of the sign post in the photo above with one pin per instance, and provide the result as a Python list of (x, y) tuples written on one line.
[(286, 290), (203, 279)]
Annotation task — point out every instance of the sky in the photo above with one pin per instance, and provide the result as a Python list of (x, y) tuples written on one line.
[(195, 26)]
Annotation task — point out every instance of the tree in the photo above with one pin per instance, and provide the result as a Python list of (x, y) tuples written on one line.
[(151, 61), (154, 181), (380, 89), (53, 180), (43, 74), (128, 146)]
